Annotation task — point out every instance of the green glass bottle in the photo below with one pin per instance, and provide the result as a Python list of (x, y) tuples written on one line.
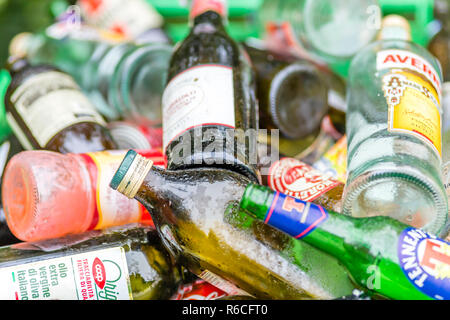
[(391, 259), (196, 214), (122, 263), (122, 79)]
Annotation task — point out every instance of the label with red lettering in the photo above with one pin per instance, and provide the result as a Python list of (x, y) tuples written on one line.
[(425, 260), (295, 178), (293, 216), (412, 90)]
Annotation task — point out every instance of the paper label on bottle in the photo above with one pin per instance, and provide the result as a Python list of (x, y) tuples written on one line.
[(334, 161), (96, 275), (50, 102), (425, 261), (113, 207), (413, 93), (130, 19), (293, 216), (201, 95), (198, 290), (297, 179), (222, 284)]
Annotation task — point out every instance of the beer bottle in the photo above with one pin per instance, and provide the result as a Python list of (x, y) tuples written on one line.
[(209, 106), (47, 110), (122, 263), (80, 197), (394, 131), (382, 254), (194, 211)]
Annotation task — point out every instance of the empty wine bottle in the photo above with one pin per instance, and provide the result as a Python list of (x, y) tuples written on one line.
[(123, 263), (46, 109), (209, 107), (382, 254), (48, 195), (194, 211)]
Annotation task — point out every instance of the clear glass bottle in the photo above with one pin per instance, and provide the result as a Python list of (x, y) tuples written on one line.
[(122, 79), (446, 150), (331, 30), (122, 263), (394, 131)]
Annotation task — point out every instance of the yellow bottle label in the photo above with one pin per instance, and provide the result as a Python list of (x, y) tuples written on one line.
[(413, 97)]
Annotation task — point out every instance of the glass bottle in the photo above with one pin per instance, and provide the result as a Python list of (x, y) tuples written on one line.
[(122, 79), (394, 132), (446, 151), (5, 80), (209, 106), (130, 134), (194, 211), (122, 263), (48, 195), (47, 110), (329, 30), (439, 45), (133, 19), (383, 255), (292, 94), (298, 179)]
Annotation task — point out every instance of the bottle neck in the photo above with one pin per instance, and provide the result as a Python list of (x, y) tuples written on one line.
[(313, 224)]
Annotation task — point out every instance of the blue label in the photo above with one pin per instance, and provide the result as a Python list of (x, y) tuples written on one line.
[(293, 216), (425, 260)]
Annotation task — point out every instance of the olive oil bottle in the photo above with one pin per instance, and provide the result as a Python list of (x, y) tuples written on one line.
[(122, 263), (196, 214)]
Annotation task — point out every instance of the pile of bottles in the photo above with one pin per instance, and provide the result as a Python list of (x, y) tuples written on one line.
[(309, 159)]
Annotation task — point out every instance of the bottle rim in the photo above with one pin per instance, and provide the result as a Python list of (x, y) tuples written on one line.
[(364, 181)]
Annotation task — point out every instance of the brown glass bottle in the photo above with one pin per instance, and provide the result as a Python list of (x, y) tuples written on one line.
[(196, 214), (47, 110), (209, 107), (439, 45), (292, 94)]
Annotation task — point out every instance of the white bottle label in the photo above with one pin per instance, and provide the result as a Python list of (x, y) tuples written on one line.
[(201, 95), (50, 102), (95, 275)]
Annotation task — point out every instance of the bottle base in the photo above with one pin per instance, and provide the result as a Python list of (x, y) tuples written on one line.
[(403, 193)]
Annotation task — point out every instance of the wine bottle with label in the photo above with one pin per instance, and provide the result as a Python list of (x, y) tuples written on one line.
[(209, 103), (122, 263), (196, 214), (46, 109)]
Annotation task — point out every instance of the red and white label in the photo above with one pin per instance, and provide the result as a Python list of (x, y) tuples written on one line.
[(201, 95), (390, 59), (113, 208), (198, 290), (297, 179)]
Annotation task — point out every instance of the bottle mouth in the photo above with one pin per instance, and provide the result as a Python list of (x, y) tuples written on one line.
[(298, 100), (399, 194), (131, 173)]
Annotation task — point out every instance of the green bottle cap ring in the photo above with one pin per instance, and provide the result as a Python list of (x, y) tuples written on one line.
[(123, 169)]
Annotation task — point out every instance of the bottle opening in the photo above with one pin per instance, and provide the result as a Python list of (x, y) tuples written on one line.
[(131, 173)]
